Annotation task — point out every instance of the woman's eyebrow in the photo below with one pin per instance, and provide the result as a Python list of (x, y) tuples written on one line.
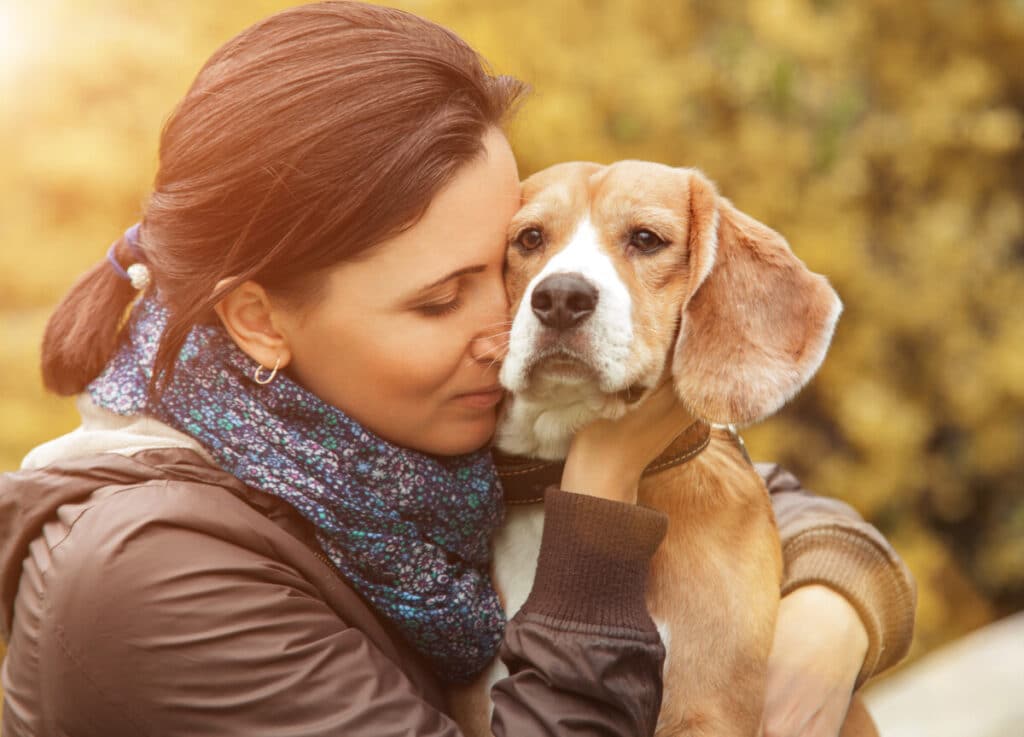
[(457, 273)]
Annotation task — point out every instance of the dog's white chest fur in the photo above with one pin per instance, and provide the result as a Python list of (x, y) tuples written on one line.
[(516, 547)]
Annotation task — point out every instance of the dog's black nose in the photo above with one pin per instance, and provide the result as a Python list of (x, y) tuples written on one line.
[(563, 301)]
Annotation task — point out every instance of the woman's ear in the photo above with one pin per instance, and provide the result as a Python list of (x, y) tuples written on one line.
[(250, 319), (757, 322)]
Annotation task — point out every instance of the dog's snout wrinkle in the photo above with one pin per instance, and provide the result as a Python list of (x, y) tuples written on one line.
[(563, 301)]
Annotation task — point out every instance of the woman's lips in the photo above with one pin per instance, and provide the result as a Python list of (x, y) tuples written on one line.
[(481, 399)]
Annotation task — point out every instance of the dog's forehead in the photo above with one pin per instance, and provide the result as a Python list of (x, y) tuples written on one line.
[(585, 186), (562, 184), (642, 181)]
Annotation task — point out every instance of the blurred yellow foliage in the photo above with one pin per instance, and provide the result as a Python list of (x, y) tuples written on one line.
[(884, 139)]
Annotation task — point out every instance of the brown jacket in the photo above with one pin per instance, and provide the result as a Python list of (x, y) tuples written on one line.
[(152, 593)]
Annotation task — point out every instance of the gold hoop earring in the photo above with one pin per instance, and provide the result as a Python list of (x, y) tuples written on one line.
[(259, 368)]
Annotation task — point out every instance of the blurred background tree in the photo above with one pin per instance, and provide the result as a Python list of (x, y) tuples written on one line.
[(885, 139)]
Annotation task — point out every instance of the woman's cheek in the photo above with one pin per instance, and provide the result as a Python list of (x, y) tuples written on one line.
[(428, 358)]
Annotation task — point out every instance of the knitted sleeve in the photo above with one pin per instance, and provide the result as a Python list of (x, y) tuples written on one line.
[(825, 541)]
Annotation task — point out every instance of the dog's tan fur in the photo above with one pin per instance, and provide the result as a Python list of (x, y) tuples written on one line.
[(741, 324)]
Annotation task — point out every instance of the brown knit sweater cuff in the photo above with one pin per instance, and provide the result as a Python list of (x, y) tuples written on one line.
[(594, 558), (854, 566)]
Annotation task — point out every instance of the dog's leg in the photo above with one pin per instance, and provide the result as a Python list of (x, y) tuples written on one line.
[(715, 581)]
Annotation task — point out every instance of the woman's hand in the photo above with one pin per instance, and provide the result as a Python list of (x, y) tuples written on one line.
[(607, 457), (819, 648)]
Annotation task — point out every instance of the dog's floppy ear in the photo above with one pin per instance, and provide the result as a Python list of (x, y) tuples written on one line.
[(756, 323)]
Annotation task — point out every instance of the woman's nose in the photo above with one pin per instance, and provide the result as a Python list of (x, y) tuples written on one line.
[(491, 341)]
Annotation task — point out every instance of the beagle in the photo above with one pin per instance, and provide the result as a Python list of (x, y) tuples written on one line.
[(618, 275)]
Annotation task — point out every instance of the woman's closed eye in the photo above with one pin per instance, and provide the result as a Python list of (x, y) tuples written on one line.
[(440, 309)]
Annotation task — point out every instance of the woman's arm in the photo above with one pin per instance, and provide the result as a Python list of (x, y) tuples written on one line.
[(163, 629), (847, 610), (826, 542), (153, 627), (583, 654)]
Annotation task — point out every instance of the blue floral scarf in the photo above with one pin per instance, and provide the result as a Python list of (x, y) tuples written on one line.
[(410, 531)]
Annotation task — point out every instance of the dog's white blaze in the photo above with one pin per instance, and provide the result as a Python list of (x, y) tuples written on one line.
[(609, 330)]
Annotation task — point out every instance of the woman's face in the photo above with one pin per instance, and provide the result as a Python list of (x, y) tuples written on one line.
[(407, 339)]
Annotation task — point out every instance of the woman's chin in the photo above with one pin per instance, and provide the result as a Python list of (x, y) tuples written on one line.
[(460, 437)]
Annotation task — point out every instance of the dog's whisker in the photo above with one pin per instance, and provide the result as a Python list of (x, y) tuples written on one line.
[(504, 334), (500, 348), (497, 357), (499, 324)]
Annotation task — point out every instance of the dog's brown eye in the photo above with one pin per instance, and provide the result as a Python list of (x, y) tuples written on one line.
[(530, 238), (645, 240)]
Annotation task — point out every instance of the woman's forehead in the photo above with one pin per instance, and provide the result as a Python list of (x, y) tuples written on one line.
[(464, 226)]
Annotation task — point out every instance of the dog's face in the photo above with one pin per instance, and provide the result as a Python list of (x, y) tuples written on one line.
[(597, 274), (619, 273)]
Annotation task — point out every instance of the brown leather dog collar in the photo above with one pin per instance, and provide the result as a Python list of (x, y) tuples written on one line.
[(525, 479)]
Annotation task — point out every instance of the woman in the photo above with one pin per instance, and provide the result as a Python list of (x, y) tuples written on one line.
[(275, 517)]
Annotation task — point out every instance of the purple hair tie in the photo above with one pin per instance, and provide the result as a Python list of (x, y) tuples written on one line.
[(138, 273), (132, 237)]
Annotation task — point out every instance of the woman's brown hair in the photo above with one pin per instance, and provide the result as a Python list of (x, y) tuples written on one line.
[(304, 141)]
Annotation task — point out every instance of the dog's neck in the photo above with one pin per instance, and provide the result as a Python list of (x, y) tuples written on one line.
[(541, 424), (525, 480)]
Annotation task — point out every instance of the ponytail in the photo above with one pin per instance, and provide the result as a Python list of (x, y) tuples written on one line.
[(83, 332)]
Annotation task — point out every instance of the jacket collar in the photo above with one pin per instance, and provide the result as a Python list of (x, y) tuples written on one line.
[(103, 431)]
